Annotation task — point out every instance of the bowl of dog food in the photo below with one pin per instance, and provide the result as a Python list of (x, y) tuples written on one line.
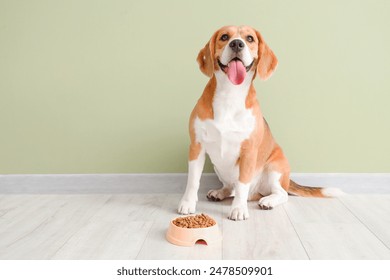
[(190, 230)]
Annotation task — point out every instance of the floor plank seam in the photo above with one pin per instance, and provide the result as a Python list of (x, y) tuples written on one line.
[(44, 222), (63, 244), (367, 227), (77, 231), (143, 242), (3, 213), (296, 232)]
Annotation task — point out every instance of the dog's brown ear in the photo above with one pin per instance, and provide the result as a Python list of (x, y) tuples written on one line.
[(205, 57), (267, 61)]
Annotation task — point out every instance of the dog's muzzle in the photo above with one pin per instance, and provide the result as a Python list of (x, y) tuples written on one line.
[(224, 67)]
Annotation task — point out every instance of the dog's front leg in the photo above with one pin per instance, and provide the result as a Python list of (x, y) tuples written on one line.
[(247, 163), (239, 210), (187, 204)]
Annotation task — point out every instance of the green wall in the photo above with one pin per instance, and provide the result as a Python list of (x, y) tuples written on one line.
[(107, 86)]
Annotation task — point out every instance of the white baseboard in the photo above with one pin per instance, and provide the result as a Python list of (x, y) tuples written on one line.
[(99, 183), (174, 183)]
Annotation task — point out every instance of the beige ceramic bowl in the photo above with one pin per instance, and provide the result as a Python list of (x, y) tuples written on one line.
[(190, 236)]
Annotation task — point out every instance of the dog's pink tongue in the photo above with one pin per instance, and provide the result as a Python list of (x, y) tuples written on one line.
[(236, 72)]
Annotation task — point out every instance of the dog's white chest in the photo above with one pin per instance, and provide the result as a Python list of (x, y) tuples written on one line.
[(222, 136)]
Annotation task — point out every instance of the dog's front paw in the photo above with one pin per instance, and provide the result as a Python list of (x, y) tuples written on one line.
[(186, 207), (239, 213)]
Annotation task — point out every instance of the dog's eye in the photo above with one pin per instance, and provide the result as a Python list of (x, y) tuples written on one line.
[(249, 38), (224, 37)]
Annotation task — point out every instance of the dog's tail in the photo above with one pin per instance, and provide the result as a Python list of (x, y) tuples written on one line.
[(295, 189)]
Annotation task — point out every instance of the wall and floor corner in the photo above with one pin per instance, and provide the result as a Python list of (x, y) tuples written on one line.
[(107, 87)]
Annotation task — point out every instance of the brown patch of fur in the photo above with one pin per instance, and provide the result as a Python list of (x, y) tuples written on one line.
[(205, 57), (203, 110), (260, 151), (248, 158), (267, 60)]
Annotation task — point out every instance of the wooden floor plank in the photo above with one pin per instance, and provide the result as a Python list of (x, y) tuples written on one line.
[(341, 241), (312, 210), (268, 234), (373, 211), (116, 231), (13, 207), (21, 216), (328, 230), (105, 240), (43, 224)]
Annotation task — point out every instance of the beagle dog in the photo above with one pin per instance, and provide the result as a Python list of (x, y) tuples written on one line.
[(228, 125)]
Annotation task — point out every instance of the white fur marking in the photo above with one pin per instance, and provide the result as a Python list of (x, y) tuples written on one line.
[(244, 55), (239, 209), (187, 204), (332, 192)]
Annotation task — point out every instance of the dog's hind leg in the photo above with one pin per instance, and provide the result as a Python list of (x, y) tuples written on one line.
[(278, 194), (220, 194)]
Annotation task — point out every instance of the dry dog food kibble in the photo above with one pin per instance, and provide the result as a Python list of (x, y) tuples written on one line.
[(198, 221)]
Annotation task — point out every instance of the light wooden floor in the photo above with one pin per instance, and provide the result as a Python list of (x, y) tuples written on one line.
[(133, 226)]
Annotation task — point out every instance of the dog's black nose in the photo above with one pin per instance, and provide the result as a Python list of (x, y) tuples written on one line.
[(236, 45)]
